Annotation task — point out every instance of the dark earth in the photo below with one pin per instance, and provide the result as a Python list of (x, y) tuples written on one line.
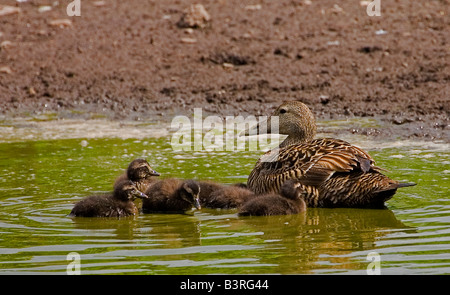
[(142, 60)]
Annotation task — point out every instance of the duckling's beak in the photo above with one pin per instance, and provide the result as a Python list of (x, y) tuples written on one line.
[(141, 195), (154, 173), (197, 203)]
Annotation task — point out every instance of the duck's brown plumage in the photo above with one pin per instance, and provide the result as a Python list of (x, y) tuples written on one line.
[(332, 172), (118, 204)]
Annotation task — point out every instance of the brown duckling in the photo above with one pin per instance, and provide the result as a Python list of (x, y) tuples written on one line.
[(333, 172), (289, 201), (141, 173), (219, 196), (118, 204), (172, 195)]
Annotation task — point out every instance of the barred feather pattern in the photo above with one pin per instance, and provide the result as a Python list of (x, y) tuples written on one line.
[(359, 189), (332, 173)]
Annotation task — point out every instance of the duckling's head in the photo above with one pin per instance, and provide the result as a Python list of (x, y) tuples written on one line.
[(126, 190), (190, 191), (290, 190), (292, 118), (140, 169)]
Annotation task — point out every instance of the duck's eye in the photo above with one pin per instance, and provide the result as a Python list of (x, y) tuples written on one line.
[(282, 111)]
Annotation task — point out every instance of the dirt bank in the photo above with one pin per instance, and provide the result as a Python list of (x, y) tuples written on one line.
[(136, 60)]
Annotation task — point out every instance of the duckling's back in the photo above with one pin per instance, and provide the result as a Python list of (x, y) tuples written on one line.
[(271, 204), (102, 206), (165, 196)]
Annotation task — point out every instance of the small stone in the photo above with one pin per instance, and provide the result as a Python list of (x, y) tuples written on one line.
[(333, 43), (31, 91), (195, 16), (62, 23), (5, 69), (381, 32), (253, 7), (44, 8), (189, 40), (227, 65), (8, 10), (337, 9), (6, 44), (99, 3)]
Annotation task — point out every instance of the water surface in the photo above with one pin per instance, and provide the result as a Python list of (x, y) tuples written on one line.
[(45, 169)]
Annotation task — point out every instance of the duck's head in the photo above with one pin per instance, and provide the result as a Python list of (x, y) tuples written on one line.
[(190, 191), (140, 169), (292, 118), (126, 190)]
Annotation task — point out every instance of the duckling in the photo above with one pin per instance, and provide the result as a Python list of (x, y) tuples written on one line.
[(213, 195), (172, 195), (118, 204), (289, 201), (141, 173), (333, 172), (240, 184)]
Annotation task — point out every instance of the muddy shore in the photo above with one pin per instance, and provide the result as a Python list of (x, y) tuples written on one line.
[(138, 60)]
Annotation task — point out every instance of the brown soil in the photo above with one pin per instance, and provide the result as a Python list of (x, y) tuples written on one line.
[(136, 60)]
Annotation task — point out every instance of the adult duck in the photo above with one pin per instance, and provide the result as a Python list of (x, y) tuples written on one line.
[(331, 172)]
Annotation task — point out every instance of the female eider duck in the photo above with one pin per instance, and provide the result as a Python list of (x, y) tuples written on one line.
[(172, 195), (288, 201), (118, 204), (331, 172), (141, 173)]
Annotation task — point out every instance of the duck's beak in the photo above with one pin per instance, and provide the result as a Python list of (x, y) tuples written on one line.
[(263, 127), (197, 203)]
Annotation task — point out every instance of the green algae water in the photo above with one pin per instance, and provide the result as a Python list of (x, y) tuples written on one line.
[(42, 174)]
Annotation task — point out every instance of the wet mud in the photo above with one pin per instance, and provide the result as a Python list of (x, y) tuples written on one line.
[(151, 60)]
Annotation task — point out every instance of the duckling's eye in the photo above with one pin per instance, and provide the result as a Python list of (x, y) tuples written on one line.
[(282, 111)]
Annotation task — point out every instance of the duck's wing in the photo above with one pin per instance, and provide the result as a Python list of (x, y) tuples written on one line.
[(311, 163), (331, 145)]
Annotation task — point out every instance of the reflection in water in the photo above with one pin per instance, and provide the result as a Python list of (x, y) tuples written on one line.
[(167, 230), (171, 230), (115, 228), (318, 235)]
